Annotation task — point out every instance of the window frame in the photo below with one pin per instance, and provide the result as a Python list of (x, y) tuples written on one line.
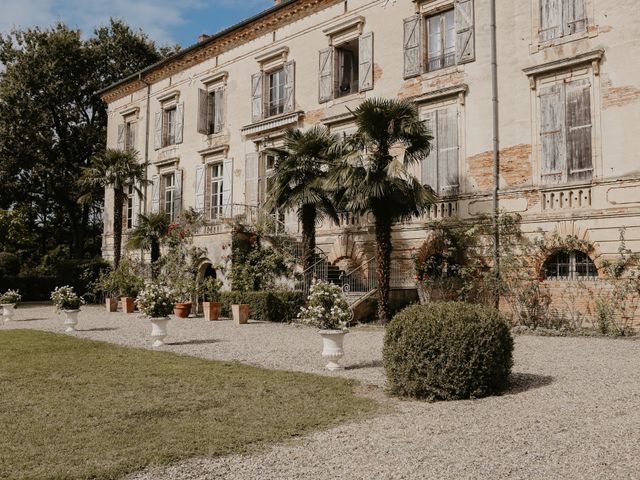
[(443, 36), (171, 189), (169, 127), (354, 84), (215, 211), (268, 89), (571, 265), (591, 29)]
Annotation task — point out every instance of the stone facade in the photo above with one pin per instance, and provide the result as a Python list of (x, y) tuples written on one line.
[(569, 92)]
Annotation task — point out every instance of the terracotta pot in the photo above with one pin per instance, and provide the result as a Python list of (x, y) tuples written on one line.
[(182, 310), (211, 310), (128, 304), (111, 304), (240, 314)]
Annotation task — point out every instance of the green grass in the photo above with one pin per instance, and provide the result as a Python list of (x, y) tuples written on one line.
[(76, 409)]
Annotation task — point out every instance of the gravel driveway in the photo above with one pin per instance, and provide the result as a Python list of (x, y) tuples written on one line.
[(573, 411)]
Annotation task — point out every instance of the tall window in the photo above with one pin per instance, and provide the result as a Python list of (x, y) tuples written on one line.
[(168, 188), (170, 117), (215, 191), (275, 100), (347, 62), (441, 40), (440, 169), (130, 194), (565, 132), (570, 265), (129, 136), (211, 111), (561, 18)]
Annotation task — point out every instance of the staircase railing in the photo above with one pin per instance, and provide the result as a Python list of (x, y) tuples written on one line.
[(318, 271), (361, 279)]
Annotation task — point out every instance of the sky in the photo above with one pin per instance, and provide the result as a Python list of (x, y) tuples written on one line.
[(165, 21)]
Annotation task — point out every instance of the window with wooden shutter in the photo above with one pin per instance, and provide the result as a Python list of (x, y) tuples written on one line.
[(575, 16), (200, 189), (559, 18), (441, 40), (365, 74), (256, 96), (155, 194), (440, 170), (251, 178), (179, 123), (578, 128), (218, 110), (203, 112), (177, 194), (158, 133), (289, 100), (227, 187), (465, 31), (121, 137), (412, 46), (552, 135), (326, 75)]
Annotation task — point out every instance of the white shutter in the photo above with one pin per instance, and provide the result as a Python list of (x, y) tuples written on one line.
[(448, 151), (219, 110), (465, 35), (121, 139), (289, 86), (177, 194), (578, 128), (412, 46), (575, 16), (256, 97), (325, 80), (550, 19), (251, 178), (430, 164), (203, 111), (365, 54), (552, 137), (227, 187), (179, 122), (200, 190), (155, 194), (157, 139), (135, 211)]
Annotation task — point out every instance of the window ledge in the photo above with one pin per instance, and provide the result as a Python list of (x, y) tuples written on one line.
[(591, 32), (594, 57), (271, 123)]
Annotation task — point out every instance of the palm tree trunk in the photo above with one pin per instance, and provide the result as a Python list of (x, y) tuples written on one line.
[(118, 207), (383, 264), (309, 215)]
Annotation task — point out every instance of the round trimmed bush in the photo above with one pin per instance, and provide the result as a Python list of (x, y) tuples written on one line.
[(448, 351), (9, 264)]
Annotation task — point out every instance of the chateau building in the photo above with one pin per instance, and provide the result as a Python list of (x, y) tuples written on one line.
[(568, 88)]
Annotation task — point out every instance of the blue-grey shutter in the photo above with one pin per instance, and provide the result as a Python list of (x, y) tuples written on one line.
[(256, 97), (465, 31), (365, 54), (179, 122), (412, 46)]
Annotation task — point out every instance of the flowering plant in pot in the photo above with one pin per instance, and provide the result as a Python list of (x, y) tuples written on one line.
[(328, 310), (210, 289), (129, 285), (9, 300), (107, 285), (66, 300), (156, 303)]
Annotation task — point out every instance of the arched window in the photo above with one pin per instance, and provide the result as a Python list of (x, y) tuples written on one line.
[(569, 265)]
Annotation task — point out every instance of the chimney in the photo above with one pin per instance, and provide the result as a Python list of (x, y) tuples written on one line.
[(202, 37), (278, 2)]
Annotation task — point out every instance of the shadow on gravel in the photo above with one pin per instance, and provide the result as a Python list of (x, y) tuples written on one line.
[(193, 342), (371, 364), (25, 320), (110, 329), (521, 382)]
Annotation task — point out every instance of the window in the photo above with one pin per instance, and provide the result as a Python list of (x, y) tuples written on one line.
[(211, 111), (441, 41), (127, 136), (561, 18), (437, 39), (566, 131), (569, 265), (168, 194), (168, 126), (272, 92), (347, 68), (130, 195), (275, 99), (216, 196), (440, 169)]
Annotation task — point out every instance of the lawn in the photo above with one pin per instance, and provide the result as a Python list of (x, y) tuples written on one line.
[(77, 409)]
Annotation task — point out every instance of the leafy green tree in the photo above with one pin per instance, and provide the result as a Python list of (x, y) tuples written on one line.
[(117, 170), (148, 235), (372, 179), (300, 182)]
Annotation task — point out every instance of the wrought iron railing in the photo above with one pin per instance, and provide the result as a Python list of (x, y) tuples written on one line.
[(361, 279)]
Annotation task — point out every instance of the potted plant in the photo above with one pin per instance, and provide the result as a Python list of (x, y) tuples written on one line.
[(108, 286), (184, 289), (9, 301), (210, 289), (67, 301), (129, 285), (240, 313), (328, 310), (156, 303)]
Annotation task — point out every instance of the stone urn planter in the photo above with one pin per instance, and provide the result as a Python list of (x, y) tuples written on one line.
[(332, 348), (182, 310), (111, 304), (71, 320), (158, 331), (7, 311), (211, 311), (128, 304), (240, 314)]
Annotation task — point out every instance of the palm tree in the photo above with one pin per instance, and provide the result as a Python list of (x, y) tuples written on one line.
[(301, 168), (148, 235), (118, 170), (371, 179)]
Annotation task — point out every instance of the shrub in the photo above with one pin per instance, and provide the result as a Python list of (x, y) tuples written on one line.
[(10, 297), (32, 289), (9, 264), (448, 351), (155, 301), (271, 306), (326, 307)]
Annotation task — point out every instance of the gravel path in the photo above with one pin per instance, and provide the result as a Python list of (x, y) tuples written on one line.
[(573, 412)]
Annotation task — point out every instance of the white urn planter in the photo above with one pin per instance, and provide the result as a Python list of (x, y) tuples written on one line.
[(159, 331), (332, 348), (7, 311), (71, 320)]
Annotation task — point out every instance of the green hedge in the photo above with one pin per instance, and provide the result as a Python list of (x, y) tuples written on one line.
[(272, 306), (32, 289), (448, 351)]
